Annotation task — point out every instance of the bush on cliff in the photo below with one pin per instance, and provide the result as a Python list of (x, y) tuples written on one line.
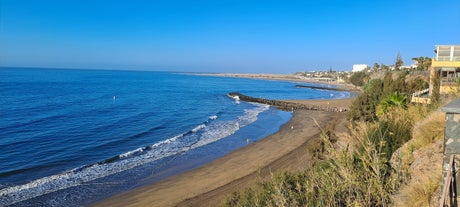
[(359, 78), (394, 100), (360, 175), (364, 106)]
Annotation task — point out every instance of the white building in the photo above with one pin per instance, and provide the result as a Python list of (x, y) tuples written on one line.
[(359, 67)]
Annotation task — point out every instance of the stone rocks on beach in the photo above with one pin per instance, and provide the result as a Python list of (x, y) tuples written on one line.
[(287, 106)]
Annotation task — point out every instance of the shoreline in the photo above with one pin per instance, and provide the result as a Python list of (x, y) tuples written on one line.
[(287, 77), (291, 148), (342, 86)]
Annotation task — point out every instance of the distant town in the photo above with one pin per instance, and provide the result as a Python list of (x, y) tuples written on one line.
[(419, 63)]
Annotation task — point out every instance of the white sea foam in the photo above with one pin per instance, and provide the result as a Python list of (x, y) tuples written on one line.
[(250, 115), (216, 132), (78, 176), (138, 150), (202, 135), (201, 126), (219, 130), (236, 98), (213, 117)]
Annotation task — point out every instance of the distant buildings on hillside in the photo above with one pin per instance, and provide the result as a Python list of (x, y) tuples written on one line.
[(360, 67), (367, 68), (327, 76)]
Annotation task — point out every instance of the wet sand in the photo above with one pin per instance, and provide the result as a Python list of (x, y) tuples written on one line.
[(291, 148)]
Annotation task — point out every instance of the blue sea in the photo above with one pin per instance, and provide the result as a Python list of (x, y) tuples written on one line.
[(72, 137)]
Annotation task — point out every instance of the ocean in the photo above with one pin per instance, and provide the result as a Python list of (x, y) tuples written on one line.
[(71, 137)]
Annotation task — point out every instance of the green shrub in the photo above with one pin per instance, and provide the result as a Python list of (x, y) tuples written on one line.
[(394, 129), (392, 100), (364, 106), (359, 78), (362, 174), (345, 178)]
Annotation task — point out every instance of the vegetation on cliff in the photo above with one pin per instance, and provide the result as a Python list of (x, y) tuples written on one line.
[(364, 173)]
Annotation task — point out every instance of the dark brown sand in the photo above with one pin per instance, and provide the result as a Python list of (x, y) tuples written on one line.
[(289, 149)]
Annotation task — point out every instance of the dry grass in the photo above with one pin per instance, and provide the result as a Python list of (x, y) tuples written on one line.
[(420, 190), (360, 174), (360, 177), (420, 194), (429, 130)]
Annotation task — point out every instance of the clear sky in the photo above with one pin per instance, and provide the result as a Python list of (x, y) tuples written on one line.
[(223, 35)]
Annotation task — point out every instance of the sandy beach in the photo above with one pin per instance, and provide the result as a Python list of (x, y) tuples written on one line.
[(291, 148), (286, 77)]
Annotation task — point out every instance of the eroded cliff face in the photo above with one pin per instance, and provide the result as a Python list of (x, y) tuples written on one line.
[(422, 159), (425, 174)]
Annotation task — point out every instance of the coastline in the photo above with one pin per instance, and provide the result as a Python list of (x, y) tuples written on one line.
[(287, 77), (291, 148)]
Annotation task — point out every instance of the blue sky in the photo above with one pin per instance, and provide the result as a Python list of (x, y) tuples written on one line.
[(223, 36)]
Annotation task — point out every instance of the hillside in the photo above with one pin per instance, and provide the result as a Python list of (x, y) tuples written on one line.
[(392, 155)]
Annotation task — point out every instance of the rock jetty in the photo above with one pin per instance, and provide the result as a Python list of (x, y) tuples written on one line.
[(284, 105)]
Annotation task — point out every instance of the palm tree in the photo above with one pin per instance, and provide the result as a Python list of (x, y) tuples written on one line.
[(427, 63), (393, 100), (423, 63)]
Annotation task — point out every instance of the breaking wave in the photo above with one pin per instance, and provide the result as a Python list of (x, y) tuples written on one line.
[(205, 133)]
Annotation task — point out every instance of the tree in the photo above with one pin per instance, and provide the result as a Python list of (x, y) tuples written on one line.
[(359, 78), (427, 63), (364, 106), (423, 63), (399, 62), (393, 100), (368, 68), (376, 67), (387, 84), (384, 67)]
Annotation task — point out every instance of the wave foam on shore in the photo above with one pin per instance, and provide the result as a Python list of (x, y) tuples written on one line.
[(209, 131)]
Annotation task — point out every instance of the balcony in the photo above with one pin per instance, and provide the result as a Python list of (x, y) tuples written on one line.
[(447, 58), (447, 53)]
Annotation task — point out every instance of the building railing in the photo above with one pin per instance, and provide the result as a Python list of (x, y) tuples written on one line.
[(447, 58), (449, 192), (421, 93)]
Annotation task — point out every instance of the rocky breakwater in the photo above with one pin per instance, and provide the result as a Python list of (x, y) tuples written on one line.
[(284, 105)]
